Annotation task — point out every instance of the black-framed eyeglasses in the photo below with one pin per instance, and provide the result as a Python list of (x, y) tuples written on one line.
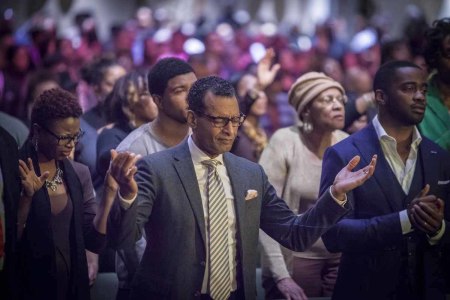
[(65, 139), (342, 99), (221, 122)]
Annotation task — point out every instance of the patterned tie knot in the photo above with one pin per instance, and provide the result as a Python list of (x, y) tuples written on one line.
[(211, 163)]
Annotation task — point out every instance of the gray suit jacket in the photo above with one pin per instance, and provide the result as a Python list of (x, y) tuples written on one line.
[(169, 208)]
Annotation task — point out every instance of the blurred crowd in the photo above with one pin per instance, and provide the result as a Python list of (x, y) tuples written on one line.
[(30, 62), (319, 88)]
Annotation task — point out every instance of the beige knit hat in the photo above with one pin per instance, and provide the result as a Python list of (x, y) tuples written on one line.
[(307, 87)]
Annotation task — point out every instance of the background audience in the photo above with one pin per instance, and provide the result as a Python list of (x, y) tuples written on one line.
[(262, 58)]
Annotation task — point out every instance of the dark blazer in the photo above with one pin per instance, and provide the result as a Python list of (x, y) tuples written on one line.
[(169, 208), (36, 247), (9, 163), (378, 261)]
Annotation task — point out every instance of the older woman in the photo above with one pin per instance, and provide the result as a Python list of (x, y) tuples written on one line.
[(58, 217), (293, 163)]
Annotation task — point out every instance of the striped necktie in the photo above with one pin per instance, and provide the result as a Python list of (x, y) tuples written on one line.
[(219, 269)]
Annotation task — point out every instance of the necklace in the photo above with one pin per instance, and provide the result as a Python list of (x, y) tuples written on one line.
[(57, 179)]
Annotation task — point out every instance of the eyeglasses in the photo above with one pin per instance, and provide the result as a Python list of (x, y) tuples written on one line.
[(65, 139), (327, 100), (221, 122)]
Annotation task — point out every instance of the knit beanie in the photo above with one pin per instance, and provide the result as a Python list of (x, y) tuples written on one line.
[(307, 87)]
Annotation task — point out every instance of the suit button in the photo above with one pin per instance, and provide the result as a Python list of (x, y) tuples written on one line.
[(202, 263), (197, 294)]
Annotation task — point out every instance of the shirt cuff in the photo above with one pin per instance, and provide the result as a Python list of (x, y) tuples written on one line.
[(124, 203), (340, 202), (405, 222), (433, 240)]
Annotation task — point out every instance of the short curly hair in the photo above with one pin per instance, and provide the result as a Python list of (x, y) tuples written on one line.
[(387, 72), (216, 85), (55, 104), (164, 70), (434, 38)]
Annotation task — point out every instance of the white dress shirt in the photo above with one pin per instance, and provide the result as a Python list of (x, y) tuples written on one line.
[(404, 172)]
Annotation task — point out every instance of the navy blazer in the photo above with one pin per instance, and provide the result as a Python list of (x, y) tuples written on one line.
[(169, 208), (377, 258), (9, 163)]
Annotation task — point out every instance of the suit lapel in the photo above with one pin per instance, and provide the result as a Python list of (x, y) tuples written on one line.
[(186, 173), (430, 163), (368, 144), (237, 185)]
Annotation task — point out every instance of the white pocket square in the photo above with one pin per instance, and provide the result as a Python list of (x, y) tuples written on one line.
[(251, 194), (443, 182)]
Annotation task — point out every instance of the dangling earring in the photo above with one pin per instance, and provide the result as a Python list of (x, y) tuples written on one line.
[(307, 125)]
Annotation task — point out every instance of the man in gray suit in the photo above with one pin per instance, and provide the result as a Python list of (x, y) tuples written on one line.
[(172, 206)]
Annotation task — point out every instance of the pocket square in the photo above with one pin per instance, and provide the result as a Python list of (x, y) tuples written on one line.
[(443, 182), (251, 194)]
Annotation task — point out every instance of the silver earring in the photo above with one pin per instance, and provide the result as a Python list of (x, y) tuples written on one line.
[(307, 127)]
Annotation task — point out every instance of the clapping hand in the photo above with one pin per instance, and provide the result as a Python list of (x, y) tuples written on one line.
[(31, 183), (265, 71), (346, 180), (426, 212), (120, 174)]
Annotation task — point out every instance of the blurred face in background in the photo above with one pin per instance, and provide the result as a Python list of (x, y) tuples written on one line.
[(259, 106), (443, 60), (21, 60), (141, 103), (109, 79)]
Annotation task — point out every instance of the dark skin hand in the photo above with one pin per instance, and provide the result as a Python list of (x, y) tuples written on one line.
[(426, 212)]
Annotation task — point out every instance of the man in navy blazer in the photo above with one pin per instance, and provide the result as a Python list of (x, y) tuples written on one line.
[(171, 205), (392, 242)]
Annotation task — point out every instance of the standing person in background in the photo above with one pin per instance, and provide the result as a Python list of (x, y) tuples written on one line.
[(101, 75), (392, 241), (169, 82), (15, 77), (251, 138), (293, 164), (128, 106), (58, 217), (436, 123)]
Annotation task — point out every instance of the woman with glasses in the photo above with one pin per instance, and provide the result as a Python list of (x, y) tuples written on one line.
[(58, 217), (293, 163)]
